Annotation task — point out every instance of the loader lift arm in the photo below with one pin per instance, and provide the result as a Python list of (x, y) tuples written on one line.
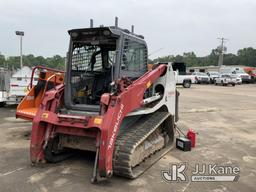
[(119, 106)]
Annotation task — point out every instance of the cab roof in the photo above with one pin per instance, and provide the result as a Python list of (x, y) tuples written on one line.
[(115, 31)]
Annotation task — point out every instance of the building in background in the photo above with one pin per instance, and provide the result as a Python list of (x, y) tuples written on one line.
[(211, 68)]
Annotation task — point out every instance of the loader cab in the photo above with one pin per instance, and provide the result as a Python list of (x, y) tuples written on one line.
[(97, 57)]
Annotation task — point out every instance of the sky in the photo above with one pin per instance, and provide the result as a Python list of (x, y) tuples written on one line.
[(170, 27)]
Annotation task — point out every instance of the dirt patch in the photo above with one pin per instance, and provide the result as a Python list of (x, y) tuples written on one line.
[(213, 109)]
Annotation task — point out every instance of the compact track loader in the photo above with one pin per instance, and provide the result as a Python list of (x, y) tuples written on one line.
[(109, 103)]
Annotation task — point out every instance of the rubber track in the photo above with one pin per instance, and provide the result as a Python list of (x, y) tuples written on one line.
[(128, 140)]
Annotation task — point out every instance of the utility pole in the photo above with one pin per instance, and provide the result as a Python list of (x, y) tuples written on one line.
[(21, 34), (221, 49)]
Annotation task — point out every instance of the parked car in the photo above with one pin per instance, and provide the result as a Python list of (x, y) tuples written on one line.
[(225, 79), (239, 71), (238, 79), (244, 76), (184, 80), (212, 75), (201, 77)]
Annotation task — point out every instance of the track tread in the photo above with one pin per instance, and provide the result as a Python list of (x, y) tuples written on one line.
[(128, 140)]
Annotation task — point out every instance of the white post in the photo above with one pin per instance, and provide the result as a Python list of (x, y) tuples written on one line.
[(20, 33)]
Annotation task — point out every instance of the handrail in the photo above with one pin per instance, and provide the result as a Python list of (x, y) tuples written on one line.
[(41, 67)]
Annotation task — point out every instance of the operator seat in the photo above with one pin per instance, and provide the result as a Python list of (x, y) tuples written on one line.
[(101, 85)]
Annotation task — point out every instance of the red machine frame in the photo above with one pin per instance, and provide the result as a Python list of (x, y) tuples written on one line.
[(103, 127)]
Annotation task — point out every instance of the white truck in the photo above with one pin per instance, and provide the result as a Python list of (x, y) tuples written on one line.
[(225, 79), (201, 77), (18, 85), (212, 75), (181, 76), (184, 80), (238, 71)]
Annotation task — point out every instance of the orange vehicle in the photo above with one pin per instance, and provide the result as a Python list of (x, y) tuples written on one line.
[(48, 78)]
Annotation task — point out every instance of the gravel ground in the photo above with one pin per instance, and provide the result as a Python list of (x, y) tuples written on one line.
[(224, 117)]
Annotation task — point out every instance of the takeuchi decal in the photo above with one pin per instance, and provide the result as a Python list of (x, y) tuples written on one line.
[(117, 122)]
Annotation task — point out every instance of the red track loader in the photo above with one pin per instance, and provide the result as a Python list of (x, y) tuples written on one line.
[(109, 103)]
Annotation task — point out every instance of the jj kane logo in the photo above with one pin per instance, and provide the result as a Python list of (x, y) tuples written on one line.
[(177, 172)]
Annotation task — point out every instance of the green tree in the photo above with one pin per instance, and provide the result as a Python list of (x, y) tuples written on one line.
[(13, 62), (190, 59), (178, 58), (230, 59), (39, 60), (2, 60), (213, 58), (29, 60), (56, 62), (168, 58), (247, 56)]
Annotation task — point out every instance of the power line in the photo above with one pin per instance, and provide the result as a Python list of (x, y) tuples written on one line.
[(155, 51)]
